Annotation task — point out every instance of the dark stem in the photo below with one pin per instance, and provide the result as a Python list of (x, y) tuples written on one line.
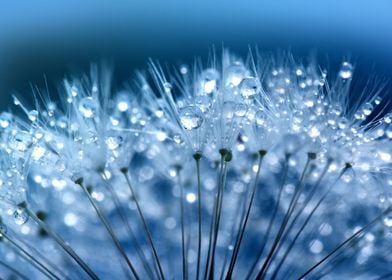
[(35, 262), (292, 243), (61, 242), (124, 219), (145, 226), (107, 227), (182, 219), (197, 157), (243, 227), (272, 219), (348, 240), (213, 218), (226, 158), (10, 268), (285, 220), (38, 254)]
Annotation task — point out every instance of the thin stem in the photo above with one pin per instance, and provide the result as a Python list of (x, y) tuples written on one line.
[(273, 217), (108, 227), (197, 157), (348, 240), (213, 218), (285, 220), (145, 226), (182, 219), (218, 216), (62, 243), (38, 254), (320, 201), (35, 262), (124, 219), (13, 270), (247, 214)]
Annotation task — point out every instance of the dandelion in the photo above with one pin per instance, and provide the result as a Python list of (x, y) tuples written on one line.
[(233, 169)]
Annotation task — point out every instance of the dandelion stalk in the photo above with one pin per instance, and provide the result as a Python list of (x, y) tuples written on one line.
[(273, 216), (16, 272), (345, 242), (286, 218), (182, 222), (60, 241), (124, 219), (31, 259), (197, 157), (145, 226), (226, 156), (108, 227), (305, 223), (240, 236)]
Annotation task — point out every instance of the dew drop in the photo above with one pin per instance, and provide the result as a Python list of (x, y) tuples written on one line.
[(87, 107), (346, 70), (234, 74), (113, 142), (191, 117), (5, 119), (20, 216), (388, 220), (167, 87), (209, 81), (367, 108), (249, 87), (33, 115)]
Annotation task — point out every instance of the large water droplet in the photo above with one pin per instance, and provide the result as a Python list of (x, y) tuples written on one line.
[(5, 119), (88, 107), (346, 70), (33, 115), (234, 74), (249, 87), (209, 79), (20, 216), (367, 108), (191, 117)]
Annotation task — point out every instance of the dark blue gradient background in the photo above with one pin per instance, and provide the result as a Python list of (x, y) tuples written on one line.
[(40, 38)]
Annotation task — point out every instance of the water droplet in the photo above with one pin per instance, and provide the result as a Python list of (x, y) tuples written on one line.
[(260, 118), (33, 115), (377, 100), (161, 136), (38, 153), (234, 74), (122, 106), (88, 107), (5, 119), (314, 132), (184, 69), (249, 87), (20, 142), (388, 220), (346, 70), (113, 142), (167, 87), (20, 216), (191, 117), (367, 108), (178, 139), (209, 81)]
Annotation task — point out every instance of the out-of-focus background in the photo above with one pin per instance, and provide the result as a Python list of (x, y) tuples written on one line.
[(50, 39)]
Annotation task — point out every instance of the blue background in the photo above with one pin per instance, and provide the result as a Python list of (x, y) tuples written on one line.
[(55, 38)]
